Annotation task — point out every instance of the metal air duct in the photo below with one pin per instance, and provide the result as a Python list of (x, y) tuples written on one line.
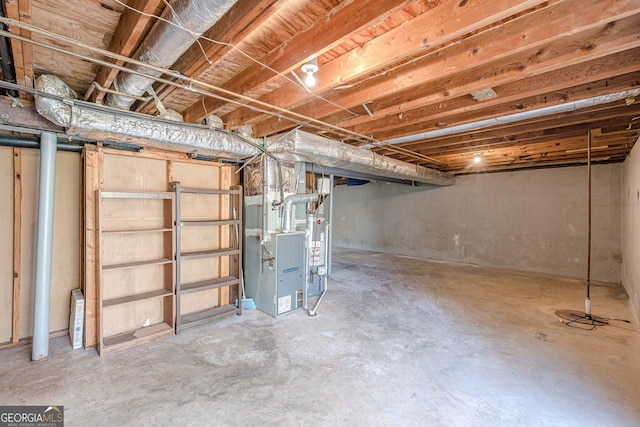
[(184, 21), (302, 146), (101, 123)]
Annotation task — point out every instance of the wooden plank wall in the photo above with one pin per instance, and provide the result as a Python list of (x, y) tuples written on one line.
[(74, 226), (18, 209), (152, 170)]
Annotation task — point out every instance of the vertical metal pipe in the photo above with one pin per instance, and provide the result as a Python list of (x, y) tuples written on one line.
[(330, 221), (587, 302), (44, 246)]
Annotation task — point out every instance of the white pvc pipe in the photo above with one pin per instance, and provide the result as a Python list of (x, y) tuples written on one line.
[(44, 247)]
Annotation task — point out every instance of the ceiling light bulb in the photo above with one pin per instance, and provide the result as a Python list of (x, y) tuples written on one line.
[(309, 68), (310, 81), (477, 159)]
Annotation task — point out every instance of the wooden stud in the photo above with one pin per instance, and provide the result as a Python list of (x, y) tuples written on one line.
[(17, 239), (93, 164)]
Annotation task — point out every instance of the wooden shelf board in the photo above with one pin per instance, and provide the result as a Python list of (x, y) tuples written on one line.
[(136, 264), (193, 319), (135, 337), (210, 222), (210, 253), (143, 230), (208, 284), (160, 293)]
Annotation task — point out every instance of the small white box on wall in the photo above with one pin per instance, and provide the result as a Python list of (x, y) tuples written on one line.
[(76, 319)]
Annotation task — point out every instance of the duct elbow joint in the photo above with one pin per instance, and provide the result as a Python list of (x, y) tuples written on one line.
[(287, 213)]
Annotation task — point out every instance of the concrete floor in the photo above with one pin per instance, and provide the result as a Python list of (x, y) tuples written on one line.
[(398, 341)]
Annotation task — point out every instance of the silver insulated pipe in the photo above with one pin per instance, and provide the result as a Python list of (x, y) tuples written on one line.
[(166, 42), (294, 199), (510, 118)]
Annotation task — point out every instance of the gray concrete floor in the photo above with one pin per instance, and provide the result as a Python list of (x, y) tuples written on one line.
[(398, 341)]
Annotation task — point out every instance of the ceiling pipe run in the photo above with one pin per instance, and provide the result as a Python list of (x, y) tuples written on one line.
[(508, 119), (166, 42)]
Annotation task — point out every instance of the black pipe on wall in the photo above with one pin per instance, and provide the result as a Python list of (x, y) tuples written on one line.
[(6, 58), (29, 142)]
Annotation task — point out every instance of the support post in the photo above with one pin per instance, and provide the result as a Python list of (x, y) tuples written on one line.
[(46, 197)]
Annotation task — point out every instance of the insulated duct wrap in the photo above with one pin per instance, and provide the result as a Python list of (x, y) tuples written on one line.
[(302, 146), (101, 123), (166, 42)]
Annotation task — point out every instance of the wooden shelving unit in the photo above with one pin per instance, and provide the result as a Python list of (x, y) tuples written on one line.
[(135, 268), (224, 271)]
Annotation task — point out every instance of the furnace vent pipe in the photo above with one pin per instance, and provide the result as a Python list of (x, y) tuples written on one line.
[(166, 42), (295, 199), (511, 118), (44, 247)]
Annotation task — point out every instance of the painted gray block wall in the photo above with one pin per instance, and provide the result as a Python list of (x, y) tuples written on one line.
[(527, 220), (631, 227)]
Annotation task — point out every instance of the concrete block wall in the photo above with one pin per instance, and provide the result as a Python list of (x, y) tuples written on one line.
[(532, 220), (631, 227)]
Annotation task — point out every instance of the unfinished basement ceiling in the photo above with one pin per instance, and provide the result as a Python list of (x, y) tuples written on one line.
[(387, 69)]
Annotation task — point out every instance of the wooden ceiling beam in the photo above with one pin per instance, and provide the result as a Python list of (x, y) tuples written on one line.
[(517, 97), (125, 39), (341, 22), (553, 127), (562, 147), (604, 75), (528, 34), (239, 21), (489, 145), (555, 76), (425, 33), (20, 10), (589, 114)]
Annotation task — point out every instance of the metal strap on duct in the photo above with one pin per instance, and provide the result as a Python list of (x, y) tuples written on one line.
[(166, 42), (302, 146)]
